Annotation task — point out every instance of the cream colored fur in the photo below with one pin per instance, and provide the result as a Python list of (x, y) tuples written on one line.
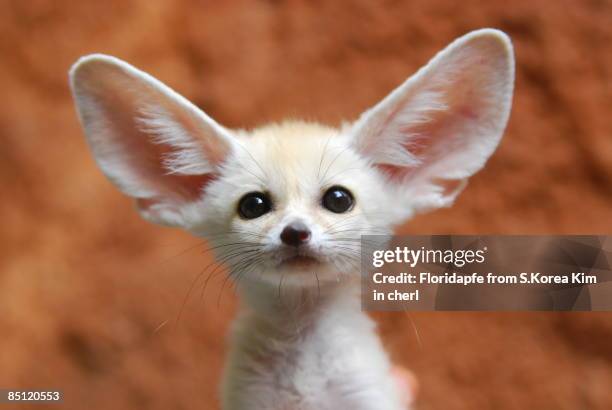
[(301, 340)]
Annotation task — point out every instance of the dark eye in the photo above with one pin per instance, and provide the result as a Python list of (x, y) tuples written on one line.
[(253, 205), (338, 199)]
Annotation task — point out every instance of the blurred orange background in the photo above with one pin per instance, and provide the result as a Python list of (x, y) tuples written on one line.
[(90, 295)]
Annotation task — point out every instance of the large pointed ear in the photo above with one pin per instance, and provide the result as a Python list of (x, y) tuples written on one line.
[(440, 126), (153, 144)]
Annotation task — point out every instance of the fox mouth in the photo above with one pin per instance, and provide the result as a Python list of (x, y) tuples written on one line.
[(299, 261)]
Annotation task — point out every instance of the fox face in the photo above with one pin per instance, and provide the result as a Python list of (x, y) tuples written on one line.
[(291, 200)]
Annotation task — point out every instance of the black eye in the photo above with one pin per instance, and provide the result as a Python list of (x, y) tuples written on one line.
[(253, 205), (338, 199)]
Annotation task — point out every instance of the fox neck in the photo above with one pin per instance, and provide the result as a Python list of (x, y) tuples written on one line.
[(300, 305)]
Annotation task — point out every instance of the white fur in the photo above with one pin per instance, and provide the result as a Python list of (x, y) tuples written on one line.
[(188, 157), (301, 340)]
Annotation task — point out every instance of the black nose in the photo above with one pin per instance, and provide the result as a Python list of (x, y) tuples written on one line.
[(295, 234)]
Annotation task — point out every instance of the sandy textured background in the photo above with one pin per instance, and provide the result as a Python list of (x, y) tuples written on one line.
[(89, 293)]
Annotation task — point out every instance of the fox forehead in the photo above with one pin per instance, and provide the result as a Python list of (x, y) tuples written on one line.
[(292, 143), (296, 156), (292, 130)]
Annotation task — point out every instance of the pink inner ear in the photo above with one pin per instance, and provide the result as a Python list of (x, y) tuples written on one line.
[(440, 126), (393, 172), (141, 154), (468, 113), (192, 186), (447, 131), (147, 160)]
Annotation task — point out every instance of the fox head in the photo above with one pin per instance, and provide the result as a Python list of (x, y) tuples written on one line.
[(297, 196)]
